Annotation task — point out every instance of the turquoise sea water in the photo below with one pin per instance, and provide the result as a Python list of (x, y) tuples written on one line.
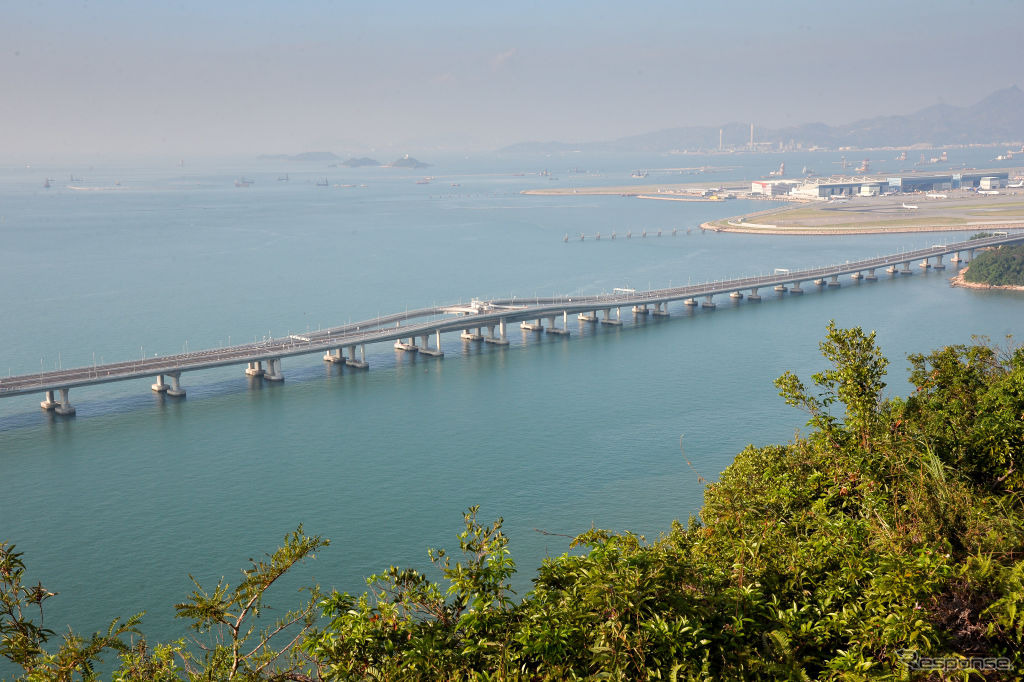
[(115, 507)]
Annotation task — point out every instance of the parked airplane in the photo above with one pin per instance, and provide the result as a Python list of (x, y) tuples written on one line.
[(987, 191), (906, 205), (935, 195), (1017, 184)]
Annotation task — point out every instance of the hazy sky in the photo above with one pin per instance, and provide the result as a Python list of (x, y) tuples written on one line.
[(220, 76)]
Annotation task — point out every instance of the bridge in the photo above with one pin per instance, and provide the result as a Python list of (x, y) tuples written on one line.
[(342, 344)]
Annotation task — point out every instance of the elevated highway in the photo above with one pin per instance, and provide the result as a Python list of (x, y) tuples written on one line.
[(341, 344)]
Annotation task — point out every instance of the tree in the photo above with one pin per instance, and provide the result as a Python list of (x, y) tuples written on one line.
[(855, 379)]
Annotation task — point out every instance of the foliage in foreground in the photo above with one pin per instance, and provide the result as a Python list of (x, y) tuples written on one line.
[(998, 267), (894, 526)]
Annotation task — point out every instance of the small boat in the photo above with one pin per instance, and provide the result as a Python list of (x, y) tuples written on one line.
[(321, 182), (639, 174), (283, 178), (423, 181), (243, 182)]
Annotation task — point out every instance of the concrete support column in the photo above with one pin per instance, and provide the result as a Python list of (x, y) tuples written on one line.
[(402, 345), (661, 309), (819, 282), (499, 340), (736, 295), (938, 263), (49, 403), (781, 288), (892, 270), (925, 264), (588, 316), (532, 326), (273, 372), (906, 269), (640, 309), (856, 276), (753, 295), (955, 258), (795, 289), (435, 352), (708, 301), (332, 355), (255, 369), (159, 386), (871, 275), (561, 331), (690, 302), (608, 318), (176, 390), (64, 407), (834, 282), (468, 335)]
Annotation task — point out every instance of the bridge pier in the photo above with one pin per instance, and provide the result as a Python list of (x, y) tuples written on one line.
[(587, 317), (871, 275), (255, 369), (795, 289), (753, 294), (938, 263), (820, 282), (856, 276), (159, 386), (608, 317), (736, 295), (532, 326), (49, 403), (660, 309), (176, 390), (468, 335), (924, 264), (690, 302), (708, 301), (62, 406), (501, 339), (560, 331), (273, 372), (333, 356), (425, 349), (892, 270), (410, 347), (834, 282), (781, 288), (361, 363), (640, 309), (906, 269)]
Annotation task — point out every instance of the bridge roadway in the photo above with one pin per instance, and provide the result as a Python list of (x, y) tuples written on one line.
[(434, 321)]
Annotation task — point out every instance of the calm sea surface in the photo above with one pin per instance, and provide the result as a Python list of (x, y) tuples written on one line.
[(115, 507)]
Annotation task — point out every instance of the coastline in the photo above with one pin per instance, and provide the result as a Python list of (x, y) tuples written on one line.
[(758, 228), (959, 281)]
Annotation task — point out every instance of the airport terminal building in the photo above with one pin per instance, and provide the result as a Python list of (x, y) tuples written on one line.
[(826, 188)]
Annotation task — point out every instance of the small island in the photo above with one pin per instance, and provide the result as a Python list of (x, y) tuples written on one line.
[(304, 156), (361, 161), (408, 162), (999, 268)]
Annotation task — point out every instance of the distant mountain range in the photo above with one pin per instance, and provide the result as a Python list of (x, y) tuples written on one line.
[(997, 118)]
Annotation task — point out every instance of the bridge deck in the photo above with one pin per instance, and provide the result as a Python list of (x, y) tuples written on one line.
[(432, 320)]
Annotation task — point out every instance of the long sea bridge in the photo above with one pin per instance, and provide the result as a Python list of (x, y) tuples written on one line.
[(346, 344)]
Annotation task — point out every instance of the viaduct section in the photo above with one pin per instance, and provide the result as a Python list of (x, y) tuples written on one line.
[(479, 321)]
